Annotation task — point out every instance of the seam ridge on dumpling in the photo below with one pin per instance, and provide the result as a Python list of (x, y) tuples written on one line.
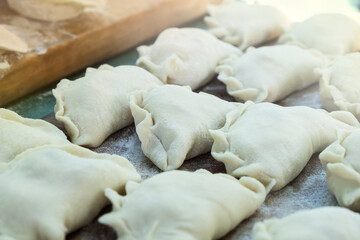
[(60, 112), (31, 132), (184, 56), (270, 73), (287, 137), (173, 123), (243, 24), (333, 34), (341, 162), (93, 107), (332, 223), (183, 205), (59, 188), (340, 84)]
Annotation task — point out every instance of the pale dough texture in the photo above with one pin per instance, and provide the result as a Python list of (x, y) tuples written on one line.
[(340, 84), (326, 223), (172, 123), (10, 42), (53, 10), (268, 74), (332, 34), (273, 143), (342, 163), (18, 134), (245, 25), (97, 105), (181, 205), (184, 56), (49, 191)]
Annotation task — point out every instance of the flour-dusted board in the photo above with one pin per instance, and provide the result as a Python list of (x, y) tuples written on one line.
[(307, 191), (62, 48)]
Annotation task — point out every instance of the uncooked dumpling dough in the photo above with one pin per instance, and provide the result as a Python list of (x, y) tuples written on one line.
[(18, 134), (97, 105), (332, 34), (172, 123), (245, 25), (53, 10), (184, 56), (183, 205), (50, 191), (326, 223), (340, 85), (342, 163), (11, 42), (273, 143), (268, 74)]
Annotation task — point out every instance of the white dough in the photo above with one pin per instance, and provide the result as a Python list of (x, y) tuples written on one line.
[(97, 105), (184, 56), (268, 74), (10, 42), (50, 191), (342, 163), (273, 143), (245, 25), (332, 34), (340, 84), (18, 134), (326, 223), (181, 205), (300, 10), (172, 123), (53, 10)]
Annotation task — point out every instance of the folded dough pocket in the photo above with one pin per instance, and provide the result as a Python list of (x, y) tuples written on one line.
[(342, 163), (183, 205), (244, 24), (331, 33), (330, 223), (97, 105), (340, 84), (268, 74), (273, 143), (172, 123), (49, 191), (184, 56), (18, 134)]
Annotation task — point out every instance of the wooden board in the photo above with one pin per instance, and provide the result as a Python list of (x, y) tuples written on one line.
[(60, 49), (308, 190)]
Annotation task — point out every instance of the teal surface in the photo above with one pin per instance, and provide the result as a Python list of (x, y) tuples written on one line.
[(41, 103)]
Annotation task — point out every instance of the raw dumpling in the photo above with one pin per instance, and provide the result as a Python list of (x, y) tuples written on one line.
[(273, 143), (340, 85), (184, 56), (18, 134), (268, 74), (245, 25), (332, 34), (53, 10), (97, 105), (183, 205), (11, 42), (326, 223), (172, 123), (49, 191), (342, 163)]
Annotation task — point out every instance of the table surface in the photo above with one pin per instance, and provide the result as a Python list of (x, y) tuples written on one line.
[(307, 191)]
